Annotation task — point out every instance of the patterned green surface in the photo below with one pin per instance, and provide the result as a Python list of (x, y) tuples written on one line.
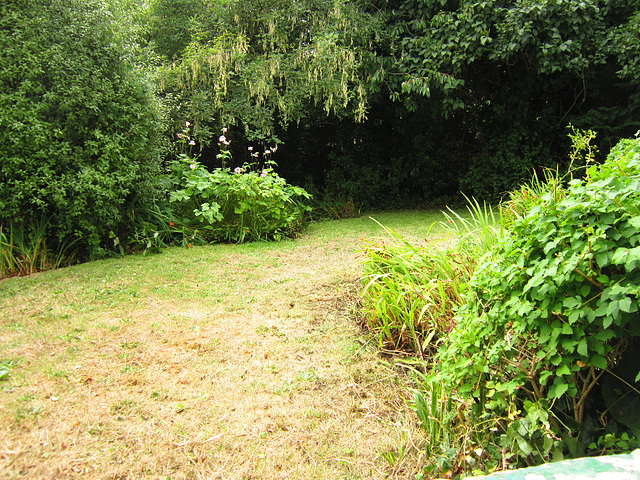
[(611, 467)]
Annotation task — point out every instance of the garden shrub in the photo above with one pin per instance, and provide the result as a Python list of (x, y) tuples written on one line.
[(551, 312), (78, 124)]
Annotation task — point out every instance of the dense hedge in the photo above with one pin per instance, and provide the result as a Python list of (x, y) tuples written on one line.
[(78, 123)]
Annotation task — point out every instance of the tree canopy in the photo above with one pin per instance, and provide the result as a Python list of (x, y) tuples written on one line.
[(263, 63), (500, 80)]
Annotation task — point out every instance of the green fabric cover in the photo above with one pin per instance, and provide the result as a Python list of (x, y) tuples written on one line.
[(610, 467)]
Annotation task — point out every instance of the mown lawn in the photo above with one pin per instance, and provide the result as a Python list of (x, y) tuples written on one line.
[(224, 361)]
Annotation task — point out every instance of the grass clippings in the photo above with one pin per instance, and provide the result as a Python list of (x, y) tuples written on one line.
[(227, 361)]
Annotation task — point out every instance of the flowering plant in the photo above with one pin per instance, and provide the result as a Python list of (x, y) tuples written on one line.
[(246, 203)]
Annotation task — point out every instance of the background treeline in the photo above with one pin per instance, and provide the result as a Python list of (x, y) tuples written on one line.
[(395, 103), (382, 104)]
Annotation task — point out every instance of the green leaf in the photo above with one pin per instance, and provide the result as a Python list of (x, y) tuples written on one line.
[(599, 361), (558, 389), (575, 316), (569, 345), (544, 377), (572, 302), (628, 257), (524, 446), (627, 305), (604, 335), (583, 348)]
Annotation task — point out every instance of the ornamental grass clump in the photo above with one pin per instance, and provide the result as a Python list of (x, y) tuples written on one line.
[(25, 250), (411, 293), (410, 298)]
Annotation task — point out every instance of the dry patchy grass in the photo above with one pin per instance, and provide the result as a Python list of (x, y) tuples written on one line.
[(232, 362)]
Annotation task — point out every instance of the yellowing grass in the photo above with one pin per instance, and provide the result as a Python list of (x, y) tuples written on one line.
[(209, 362)]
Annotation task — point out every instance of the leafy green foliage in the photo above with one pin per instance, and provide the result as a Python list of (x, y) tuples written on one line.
[(490, 86), (452, 430), (78, 122), (457, 48), (505, 162), (510, 76), (169, 24), (257, 64), (538, 345), (233, 205), (410, 298), (552, 309), (411, 293), (24, 250)]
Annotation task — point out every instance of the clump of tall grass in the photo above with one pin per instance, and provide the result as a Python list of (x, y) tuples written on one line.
[(410, 298), (24, 250), (454, 432), (411, 292)]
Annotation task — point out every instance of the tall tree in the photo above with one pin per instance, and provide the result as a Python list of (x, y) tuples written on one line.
[(258, 63), (515, 73)]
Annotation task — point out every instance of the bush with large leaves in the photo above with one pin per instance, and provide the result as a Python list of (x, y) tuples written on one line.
[(78, 123), (552, 311)]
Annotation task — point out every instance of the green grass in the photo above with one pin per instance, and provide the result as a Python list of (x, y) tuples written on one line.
[(204, 360), (412, 287)]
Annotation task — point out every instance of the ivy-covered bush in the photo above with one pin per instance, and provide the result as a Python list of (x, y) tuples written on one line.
[(551, 314), (78, 123)]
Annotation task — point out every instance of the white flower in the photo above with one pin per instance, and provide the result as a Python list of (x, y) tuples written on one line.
[(238, 170), (192, 142), (222, 139), (192, 166), (250, 149), (188, 124), (267, 152), (224, 130), (264, 173)]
